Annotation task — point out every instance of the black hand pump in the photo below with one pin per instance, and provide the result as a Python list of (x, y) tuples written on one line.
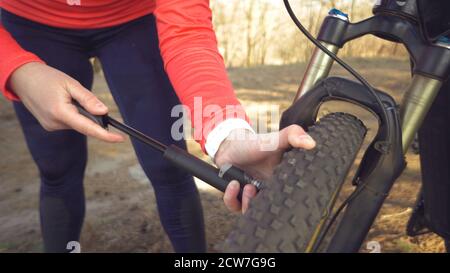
[(218, 178)]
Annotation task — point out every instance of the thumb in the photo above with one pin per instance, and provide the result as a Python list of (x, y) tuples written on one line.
[(88, 100), (296, 137)]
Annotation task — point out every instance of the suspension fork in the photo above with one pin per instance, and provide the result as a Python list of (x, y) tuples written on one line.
[(320, 64), (430, 60), (363, 209), (319, 67), (416, 103)]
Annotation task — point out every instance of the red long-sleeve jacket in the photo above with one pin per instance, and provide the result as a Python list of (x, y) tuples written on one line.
[(187, 42)]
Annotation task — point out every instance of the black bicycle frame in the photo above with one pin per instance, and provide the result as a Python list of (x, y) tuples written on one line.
[(383, 161)]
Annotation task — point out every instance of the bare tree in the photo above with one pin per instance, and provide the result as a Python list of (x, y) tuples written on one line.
[(258, 32), (223, 22), (249, 11)]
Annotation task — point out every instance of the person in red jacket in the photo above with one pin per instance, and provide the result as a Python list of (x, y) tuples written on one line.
[(154, 53)]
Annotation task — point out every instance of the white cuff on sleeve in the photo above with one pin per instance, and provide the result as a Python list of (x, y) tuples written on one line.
[(221, 131)]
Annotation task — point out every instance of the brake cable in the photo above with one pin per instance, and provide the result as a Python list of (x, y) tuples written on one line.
[(363, 81), (334, 56)]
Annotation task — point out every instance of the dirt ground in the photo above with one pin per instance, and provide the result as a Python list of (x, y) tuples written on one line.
[(121, 212)]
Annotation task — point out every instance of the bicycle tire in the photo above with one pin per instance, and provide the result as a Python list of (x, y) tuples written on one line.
[(287, 214)]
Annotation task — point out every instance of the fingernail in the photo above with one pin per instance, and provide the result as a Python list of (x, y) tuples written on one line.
[(307, 139), (248, 194), (100, 105), (234, 184)]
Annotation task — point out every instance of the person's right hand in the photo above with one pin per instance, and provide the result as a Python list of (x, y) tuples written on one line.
[(47, 93)]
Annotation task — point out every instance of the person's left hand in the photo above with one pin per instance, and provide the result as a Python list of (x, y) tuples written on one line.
[(257, 155)]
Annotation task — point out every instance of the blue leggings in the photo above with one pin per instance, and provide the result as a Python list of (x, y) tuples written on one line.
[(134, 71)]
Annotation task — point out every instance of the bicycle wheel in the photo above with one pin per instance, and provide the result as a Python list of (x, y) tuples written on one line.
[(288, 214)]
